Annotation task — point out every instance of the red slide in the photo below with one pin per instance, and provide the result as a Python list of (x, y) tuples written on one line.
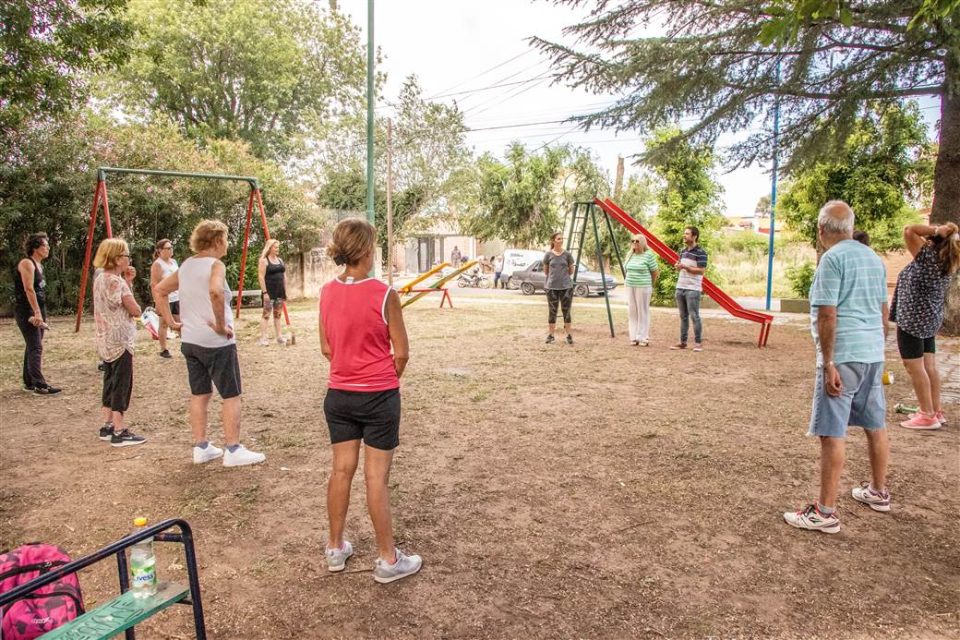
[(669, 255)]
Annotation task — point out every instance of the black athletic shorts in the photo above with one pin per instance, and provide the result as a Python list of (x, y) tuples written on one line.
[(175, 308), (118, 383), (217, 365), (561, 298), (911, 347), (373, 416)]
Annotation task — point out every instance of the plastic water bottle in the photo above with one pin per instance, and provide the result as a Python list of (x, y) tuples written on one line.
[(143, 565)]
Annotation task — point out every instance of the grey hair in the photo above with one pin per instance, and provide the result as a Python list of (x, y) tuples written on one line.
[(833, 224)]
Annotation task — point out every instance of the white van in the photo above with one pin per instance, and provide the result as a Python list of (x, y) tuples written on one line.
[(518, 260)]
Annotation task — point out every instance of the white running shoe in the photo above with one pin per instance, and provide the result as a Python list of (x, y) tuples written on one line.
[(405, 565), (337, 558), (206, 455), (877, 500), (810, 518), (242, 457)]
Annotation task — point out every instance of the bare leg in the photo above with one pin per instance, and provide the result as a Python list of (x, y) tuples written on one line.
[(264, 323), (117, 419), (878, 447), (921, 383), (276, 326), (376, 472), (345, 456), (198, 416), (832, 454), (566, 327), (930, 366), (107, 414), (162, 337), (231, 421)]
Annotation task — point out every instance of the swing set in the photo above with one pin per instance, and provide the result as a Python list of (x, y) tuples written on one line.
[(100, 198)]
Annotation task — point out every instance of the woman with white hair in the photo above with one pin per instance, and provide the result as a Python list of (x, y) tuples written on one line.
[(642, 272), (273, 289)]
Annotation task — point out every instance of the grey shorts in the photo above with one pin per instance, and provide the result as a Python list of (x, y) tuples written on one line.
[(860, 404)]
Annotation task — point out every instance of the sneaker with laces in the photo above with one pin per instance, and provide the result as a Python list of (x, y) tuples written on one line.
[(46, 391), (921, 421), (281, 340), (337, 558), (241, 456), (384, 572), (263, 342), (697, 347), (206, 454), (941, 418), (29, 388), (678, 346), (877, 500), (165, 354), (106, 432), (810, 518), (569, 339), (550, 339), (125, 438)]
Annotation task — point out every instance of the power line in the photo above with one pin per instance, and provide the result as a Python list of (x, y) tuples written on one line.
[(483, 73)]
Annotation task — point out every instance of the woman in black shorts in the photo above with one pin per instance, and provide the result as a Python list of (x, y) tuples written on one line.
[(558, 267), (273, 289), (918, 309)]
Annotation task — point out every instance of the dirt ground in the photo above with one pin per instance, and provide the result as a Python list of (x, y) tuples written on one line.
[(593, 491)]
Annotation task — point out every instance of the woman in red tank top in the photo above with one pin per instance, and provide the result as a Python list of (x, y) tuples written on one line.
[(360, 320)]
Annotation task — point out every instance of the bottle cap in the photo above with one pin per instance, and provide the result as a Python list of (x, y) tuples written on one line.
[(140, 522)]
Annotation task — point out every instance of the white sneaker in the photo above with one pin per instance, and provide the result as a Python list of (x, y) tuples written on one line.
[(281, 340), (241, 457), (810, 518), (206, 455), (337, 558), (877, 500), (263, 342), (405, 565)]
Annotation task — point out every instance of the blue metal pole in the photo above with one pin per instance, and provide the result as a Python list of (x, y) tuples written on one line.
[(370, 101), (773, 190)]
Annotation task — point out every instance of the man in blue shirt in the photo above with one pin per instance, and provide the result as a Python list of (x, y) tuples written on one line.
[(848, 311)]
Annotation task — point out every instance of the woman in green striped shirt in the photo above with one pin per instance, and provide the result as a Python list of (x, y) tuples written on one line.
[(642, 271)]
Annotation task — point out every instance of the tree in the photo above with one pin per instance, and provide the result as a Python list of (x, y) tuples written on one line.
[(763, 206), (881, 158), (688, 195), (264, 71), (48, 46), (516, 200), (727, 63)]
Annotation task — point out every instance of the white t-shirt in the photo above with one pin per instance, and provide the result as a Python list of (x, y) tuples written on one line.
[(168, 268), (196, 310)]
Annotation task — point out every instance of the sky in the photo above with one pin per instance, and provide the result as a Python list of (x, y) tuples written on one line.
[(459, 48)]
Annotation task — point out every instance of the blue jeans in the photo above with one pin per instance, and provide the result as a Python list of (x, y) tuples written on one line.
[(688, 303)]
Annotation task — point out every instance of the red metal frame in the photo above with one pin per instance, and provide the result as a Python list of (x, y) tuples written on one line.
[(100, 196), (446, 294), (729, 304)]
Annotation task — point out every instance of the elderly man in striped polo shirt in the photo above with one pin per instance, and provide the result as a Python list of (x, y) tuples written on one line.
[(848, 311)]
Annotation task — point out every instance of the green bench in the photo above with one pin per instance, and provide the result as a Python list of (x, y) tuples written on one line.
[(119, 614)]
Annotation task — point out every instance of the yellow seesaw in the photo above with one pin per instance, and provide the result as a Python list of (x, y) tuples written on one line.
[(438, 286), (410, 285)]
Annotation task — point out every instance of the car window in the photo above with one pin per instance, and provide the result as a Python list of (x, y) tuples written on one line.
[(537, 266)]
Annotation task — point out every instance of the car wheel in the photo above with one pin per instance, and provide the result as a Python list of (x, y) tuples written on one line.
[(512, 284), (527, 288), (581, 290)]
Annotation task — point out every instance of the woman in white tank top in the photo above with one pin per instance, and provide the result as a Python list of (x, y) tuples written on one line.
[(207, 342), (163, 266)]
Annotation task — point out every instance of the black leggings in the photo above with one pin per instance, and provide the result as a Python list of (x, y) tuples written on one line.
[(562, 298), (33, 351)]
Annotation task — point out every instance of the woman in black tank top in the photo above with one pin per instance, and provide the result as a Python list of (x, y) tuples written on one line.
[(30, 311), (273, 290)]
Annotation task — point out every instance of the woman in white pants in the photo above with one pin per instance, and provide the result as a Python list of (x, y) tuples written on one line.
[(642, 272)]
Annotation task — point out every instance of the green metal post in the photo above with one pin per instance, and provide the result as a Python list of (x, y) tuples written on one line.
[(616, 247), (603, 276), (370, 101)]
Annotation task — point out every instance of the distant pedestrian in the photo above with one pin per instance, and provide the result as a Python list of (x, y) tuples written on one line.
[(114, 314), (363, 336), (848, 310), (862, 237), (30, 311), (455, 257), (163, 265), (918, 308), (691, 265), (273, 290), (642, 273), (207, 342), (558, 266), (497, 271)]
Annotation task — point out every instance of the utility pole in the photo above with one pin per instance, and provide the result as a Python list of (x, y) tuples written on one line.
[(618, 185), (390, 202), (773, 188), (370, 101)]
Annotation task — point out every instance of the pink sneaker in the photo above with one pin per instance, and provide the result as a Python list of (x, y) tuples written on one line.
[(942, 419), (921, 421)]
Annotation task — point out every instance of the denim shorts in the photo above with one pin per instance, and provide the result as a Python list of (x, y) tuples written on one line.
[(860, 404)]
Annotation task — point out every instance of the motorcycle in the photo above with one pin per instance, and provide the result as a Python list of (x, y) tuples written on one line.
[(474, 279)]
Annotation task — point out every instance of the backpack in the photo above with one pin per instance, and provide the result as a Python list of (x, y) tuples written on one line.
[(46, 608)]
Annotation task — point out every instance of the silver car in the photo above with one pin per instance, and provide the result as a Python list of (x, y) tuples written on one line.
[(588, 282)]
